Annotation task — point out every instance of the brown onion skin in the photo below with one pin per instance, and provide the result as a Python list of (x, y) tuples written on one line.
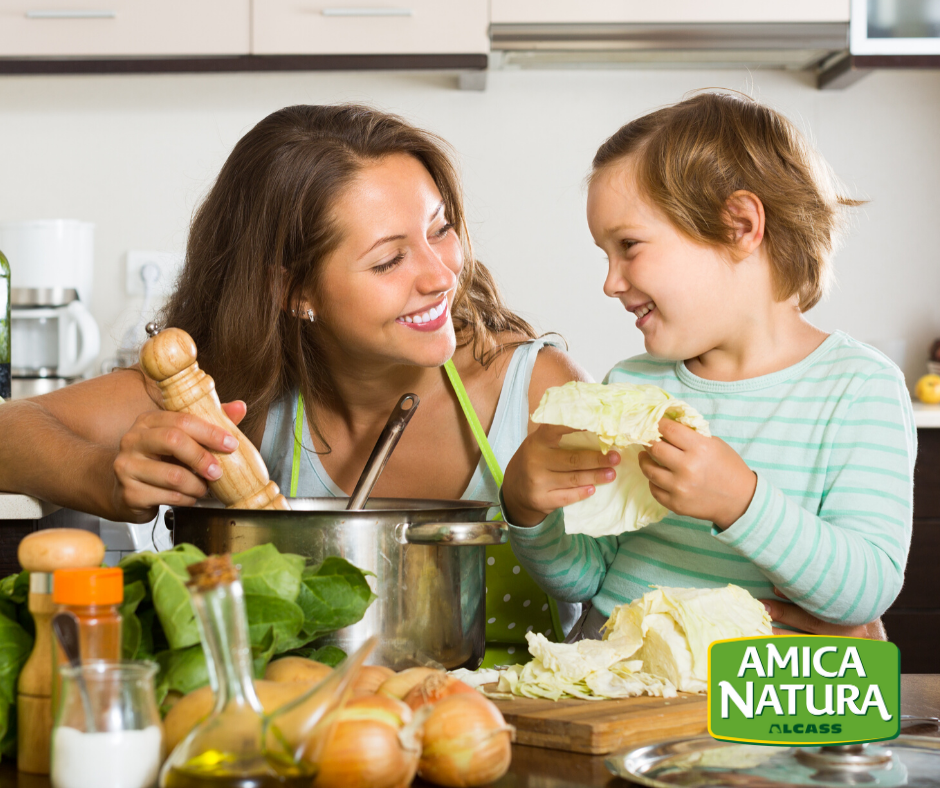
[(402, 683), (466, 743), (435, 688), (367, 753), (370, 679)]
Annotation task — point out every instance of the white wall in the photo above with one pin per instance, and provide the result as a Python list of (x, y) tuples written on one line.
[(135, 154)]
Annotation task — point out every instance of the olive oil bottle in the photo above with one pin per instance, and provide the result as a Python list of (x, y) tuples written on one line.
[(238, 745), (4, 327)]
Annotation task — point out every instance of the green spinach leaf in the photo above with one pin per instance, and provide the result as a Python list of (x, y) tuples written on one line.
[(270, 612), (168, 578), (266, 572), (339, 596), (15, 645), (328, 655)]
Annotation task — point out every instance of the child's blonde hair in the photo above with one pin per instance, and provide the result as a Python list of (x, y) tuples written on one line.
[(692, 156)]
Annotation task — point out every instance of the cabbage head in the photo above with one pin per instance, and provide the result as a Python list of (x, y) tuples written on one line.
[(621, 416)]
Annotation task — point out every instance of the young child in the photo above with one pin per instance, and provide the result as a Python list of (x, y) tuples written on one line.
[(719, 221)]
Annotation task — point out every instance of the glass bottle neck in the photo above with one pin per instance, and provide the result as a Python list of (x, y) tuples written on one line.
[(223, 626)]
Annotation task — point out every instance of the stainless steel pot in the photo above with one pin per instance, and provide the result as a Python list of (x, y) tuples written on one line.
[(428, 558)]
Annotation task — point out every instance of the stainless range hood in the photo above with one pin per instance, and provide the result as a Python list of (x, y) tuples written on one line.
[(715, 45)]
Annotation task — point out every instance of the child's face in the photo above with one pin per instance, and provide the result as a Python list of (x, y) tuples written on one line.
[(398, 261), (682, 292)]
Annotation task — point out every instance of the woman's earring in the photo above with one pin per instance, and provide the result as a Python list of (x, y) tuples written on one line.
[(293, 312), (310, 316)]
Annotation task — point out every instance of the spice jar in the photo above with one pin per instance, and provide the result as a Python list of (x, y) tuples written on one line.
[(93, 596)]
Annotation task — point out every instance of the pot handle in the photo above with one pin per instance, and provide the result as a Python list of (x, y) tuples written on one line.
[(453, 534)]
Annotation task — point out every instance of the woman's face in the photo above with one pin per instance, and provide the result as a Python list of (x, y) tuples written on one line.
[(386, 291), (684, 294)]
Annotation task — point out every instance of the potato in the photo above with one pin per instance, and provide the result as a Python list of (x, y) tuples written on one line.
[(193, 708), (296, 669)]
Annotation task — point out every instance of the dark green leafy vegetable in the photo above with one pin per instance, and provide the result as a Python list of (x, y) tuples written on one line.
[(131, 628), (339, 596), (15, 645), (168, 578), (288, 605), (328, 655), (266, 572)]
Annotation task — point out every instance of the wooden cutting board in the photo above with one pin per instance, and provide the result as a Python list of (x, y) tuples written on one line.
[(602, 726)]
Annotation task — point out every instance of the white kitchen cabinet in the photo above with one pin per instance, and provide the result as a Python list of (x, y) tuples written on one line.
[(124, 28), (675, 11), (363, 27)]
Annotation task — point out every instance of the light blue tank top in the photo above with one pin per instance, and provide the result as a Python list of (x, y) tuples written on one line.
[(509, 429), (509, 611)]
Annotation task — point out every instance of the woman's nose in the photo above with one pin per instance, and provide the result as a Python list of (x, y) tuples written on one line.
[(438, 272)]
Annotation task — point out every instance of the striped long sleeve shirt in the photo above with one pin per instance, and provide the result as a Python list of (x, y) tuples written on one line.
[(833, 443)]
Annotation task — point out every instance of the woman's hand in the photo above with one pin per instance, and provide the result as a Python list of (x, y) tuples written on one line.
[(794, 616), (541, 477), (696, 476), (165, 458)]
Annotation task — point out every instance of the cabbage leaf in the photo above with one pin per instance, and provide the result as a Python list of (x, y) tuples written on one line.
[(621, 416), (679, 624), (655, 645)]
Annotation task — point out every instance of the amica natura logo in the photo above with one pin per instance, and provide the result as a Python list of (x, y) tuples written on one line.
[(803, 690)]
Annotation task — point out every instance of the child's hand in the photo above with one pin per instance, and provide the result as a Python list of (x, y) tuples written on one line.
[(697, 476), (541, 477)]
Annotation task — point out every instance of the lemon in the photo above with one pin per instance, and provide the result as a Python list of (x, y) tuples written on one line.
[(928, 389)]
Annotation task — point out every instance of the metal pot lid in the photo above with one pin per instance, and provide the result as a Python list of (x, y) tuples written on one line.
[(704, 761)]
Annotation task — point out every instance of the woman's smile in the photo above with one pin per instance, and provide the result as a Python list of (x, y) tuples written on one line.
[(429, 319)]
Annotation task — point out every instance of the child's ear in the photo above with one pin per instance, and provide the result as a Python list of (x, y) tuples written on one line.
[(746, 218)]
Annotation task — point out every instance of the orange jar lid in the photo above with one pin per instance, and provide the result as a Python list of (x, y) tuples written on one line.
[(89, 586)]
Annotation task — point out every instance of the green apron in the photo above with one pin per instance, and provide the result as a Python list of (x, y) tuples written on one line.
[(514, 602)]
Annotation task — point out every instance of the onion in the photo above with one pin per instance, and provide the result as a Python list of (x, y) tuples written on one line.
[(369, 679), (401, 684), (466, 742), (435, 687), (375, 744)]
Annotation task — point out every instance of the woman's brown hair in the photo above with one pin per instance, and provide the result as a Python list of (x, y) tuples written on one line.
[(692, 156), (260, 237)]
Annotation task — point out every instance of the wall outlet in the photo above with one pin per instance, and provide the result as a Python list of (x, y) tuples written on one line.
[(168, 263)]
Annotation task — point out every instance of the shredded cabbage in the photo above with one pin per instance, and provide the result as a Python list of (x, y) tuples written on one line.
[(620, 416), (655, 645)]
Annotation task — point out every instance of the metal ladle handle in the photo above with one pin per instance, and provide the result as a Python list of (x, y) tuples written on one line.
[(394, 427)]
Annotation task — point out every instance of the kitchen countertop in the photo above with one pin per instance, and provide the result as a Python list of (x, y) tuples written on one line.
[(535, 767), (926, 415), (24, 507)]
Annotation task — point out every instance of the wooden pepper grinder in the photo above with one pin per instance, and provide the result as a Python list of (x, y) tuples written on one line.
[(169, 358), (40, 554)]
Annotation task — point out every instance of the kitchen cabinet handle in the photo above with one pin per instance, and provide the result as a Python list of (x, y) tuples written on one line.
[(77, 14), (368, 12)]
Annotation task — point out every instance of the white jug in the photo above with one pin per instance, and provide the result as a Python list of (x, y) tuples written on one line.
[(61, 341)]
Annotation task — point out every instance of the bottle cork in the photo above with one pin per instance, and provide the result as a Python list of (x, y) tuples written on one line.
[(40, 554), (169, 359)]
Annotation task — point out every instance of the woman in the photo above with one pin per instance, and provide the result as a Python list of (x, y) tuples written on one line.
[(328, 272)]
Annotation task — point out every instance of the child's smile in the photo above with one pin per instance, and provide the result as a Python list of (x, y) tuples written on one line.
[(642, 312)]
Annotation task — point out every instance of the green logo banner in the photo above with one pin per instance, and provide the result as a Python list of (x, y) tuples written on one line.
[(804, 690)]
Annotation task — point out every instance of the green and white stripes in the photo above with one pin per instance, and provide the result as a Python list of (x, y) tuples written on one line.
[(833, 443)]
